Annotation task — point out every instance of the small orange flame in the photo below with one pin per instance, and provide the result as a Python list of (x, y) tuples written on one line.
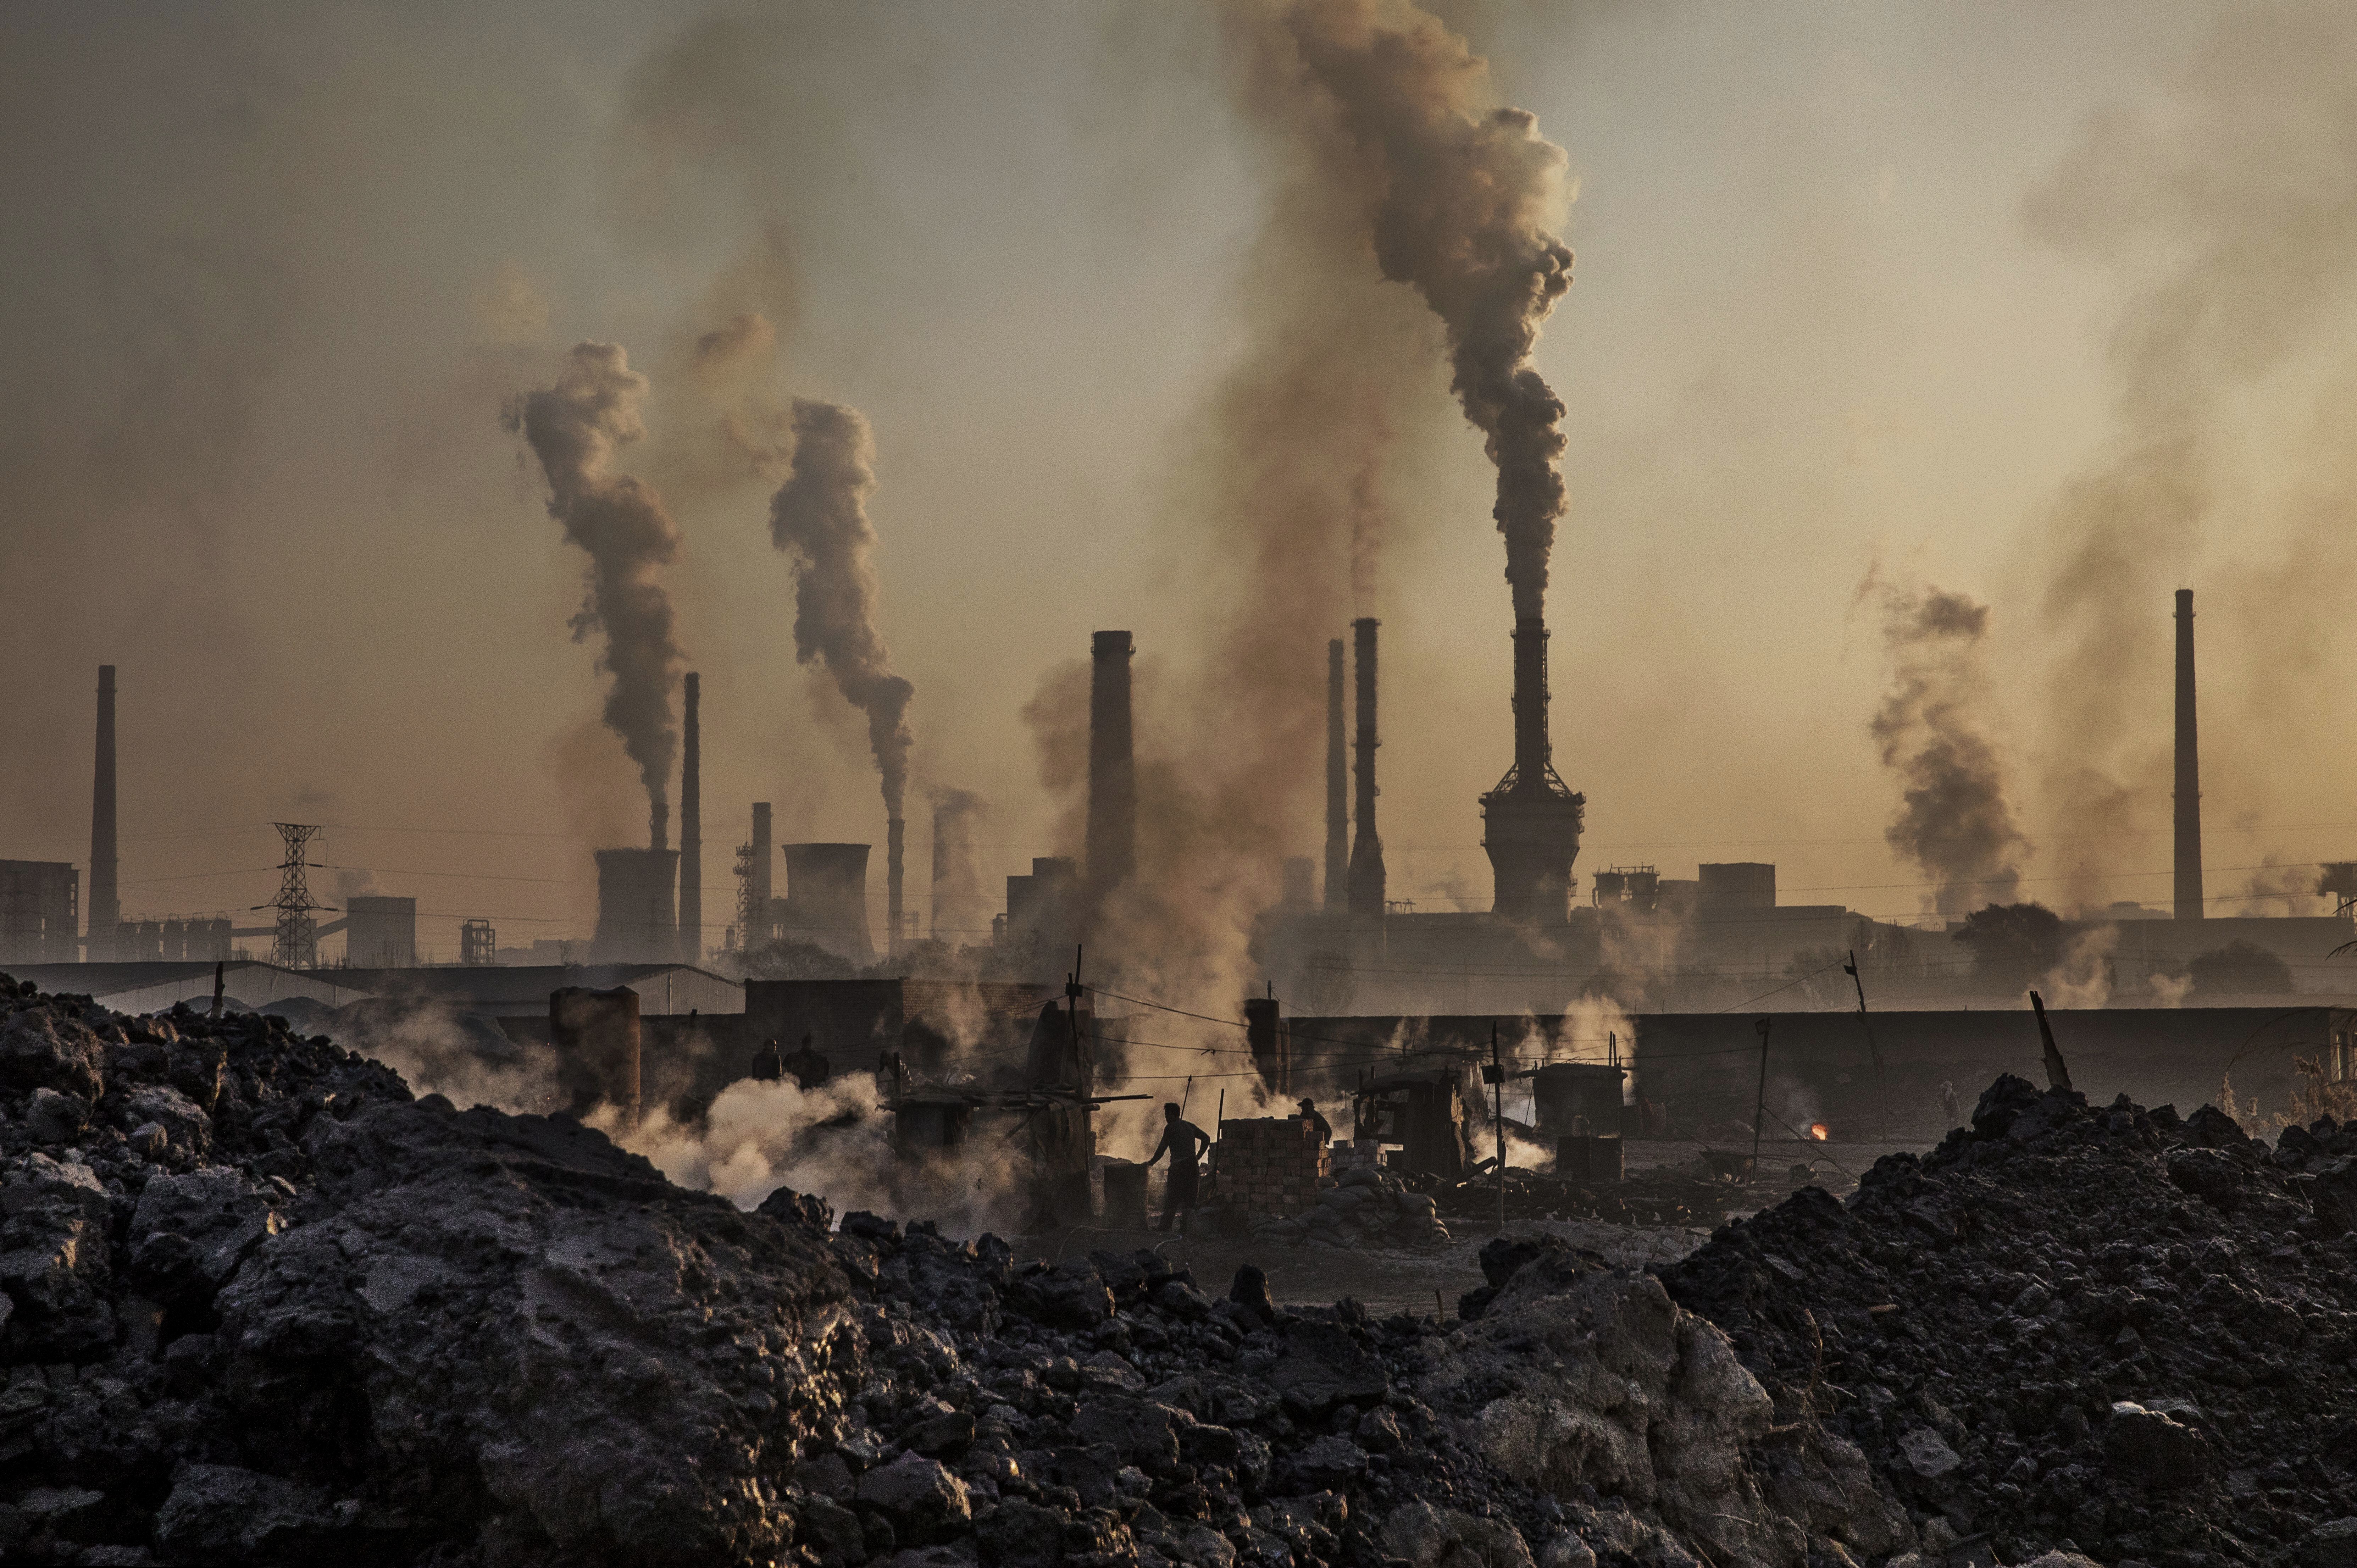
[(1820, 1132)]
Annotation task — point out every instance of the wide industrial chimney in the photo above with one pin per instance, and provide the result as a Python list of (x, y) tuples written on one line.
[(2189, 770), (827, 898), (1338, 789), (691, 832), (895, 841), (105, 907), (1530, 822), (1367, 848), (1113, 767), (635, 919)]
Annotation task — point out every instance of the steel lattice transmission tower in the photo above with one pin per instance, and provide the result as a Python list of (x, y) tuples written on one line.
[(294, 946)]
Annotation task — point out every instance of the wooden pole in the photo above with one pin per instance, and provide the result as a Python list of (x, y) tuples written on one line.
[(1881, 1084), (1759, 1106), (1498, 1073)]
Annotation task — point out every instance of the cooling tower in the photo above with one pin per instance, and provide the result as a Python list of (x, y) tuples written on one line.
[(1113, 773), (1530, 822), (2189, 770), (381, 933), (827, 898), (635, 919)]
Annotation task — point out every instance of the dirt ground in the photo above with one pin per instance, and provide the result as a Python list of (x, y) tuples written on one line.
[(1391, 1279)]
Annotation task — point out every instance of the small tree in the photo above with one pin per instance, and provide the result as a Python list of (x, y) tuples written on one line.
[(2242, 967), (2012, 944)]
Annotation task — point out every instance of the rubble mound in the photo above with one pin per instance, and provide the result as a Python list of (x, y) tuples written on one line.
[(262, 1306), (1106, 1409), (2099, 1330), (1363, 1207), (259, 1305)]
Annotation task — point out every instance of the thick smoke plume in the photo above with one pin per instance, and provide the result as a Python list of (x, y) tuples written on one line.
[(1469, 198), (1954, 821), (574, 428), (819, 516), (2224, 214)]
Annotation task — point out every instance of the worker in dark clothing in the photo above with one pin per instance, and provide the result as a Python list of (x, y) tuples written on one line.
[(768, 1066), (1317, 1123), (1182, 1141), (810, 1069)]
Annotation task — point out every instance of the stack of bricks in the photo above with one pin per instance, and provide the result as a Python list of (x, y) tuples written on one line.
[(1363, 1154), (1269, 1164)]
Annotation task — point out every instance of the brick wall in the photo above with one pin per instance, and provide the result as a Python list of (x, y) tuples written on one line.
[(1270, 1165)]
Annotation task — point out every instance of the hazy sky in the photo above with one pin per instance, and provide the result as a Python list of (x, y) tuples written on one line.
[(1857, 284)]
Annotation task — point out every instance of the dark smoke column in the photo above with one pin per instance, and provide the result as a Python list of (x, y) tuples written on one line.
[(2189, 770), (1112, 766), (1530, 822), (819, 516), (1367, 848), (691, 828), (1338, 785), (575, 429), (105, 907)]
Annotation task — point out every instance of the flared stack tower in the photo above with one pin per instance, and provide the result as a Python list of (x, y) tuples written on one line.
[(1530, 821)]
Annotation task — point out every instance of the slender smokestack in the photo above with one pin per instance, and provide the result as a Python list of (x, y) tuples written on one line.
[(1113, 769), (104, 907), (1530, 822), (1337, 787), (756, 918), (895, 835), (1531, 750), (1367, 848), (2189, 770), (691, 830), (941, 869)]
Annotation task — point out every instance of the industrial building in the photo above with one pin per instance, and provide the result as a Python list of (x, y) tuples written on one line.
[(41, 911)]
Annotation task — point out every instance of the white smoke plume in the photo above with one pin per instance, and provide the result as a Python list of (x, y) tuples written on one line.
[(1469, 196), (820, 517), (1954, 821), (573, 429)]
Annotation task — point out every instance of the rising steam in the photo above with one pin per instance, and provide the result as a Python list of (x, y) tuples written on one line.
[(1954, 821), (1469, 198), (820, 515), (573, 429)]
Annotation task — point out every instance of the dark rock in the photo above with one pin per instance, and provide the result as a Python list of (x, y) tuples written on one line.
[(1021, 1535), (925, 1502), (1139, 1431), (1324, 1365), (2150, 1448), (1250, 1290), (218, 1513), (941, 1436)]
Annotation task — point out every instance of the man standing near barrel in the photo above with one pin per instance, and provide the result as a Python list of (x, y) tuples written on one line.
[(1182, 1141)]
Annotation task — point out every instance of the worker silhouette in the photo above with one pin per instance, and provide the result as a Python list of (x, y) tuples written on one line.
[(1182, 1141), (768, 1066), (1317, 1123), (809, 1067)]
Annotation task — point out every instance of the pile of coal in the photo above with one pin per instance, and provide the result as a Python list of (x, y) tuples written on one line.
[(1363, 1207), (2098, 1327), (1106, 1409), (262, 1306)]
